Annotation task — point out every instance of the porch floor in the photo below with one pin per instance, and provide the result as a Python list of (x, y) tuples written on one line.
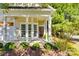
[(42, 40)]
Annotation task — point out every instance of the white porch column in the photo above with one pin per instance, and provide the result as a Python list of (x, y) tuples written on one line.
[(14, 21), (27, 28), (45, 30), (49, 28), (5, 28), (32, 34), (37, 28)]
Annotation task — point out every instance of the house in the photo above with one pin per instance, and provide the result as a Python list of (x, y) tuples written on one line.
[(25, 23)]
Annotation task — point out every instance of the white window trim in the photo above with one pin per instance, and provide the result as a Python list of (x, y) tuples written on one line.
[(20, 29), (36, 30), (31, 30), (32, 34)]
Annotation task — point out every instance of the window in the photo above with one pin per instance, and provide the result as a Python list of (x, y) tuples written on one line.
[(1, 23), (23, 30), (29, 30), (35, 30), (10, 24), (7, 23), (32, 28)]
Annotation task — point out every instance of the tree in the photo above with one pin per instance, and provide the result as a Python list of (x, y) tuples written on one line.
[(64, 20), (4, 5)]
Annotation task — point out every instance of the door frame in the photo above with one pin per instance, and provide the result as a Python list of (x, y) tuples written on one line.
[(38, 28)]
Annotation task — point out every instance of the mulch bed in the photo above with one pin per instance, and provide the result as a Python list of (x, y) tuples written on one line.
[(37, 52)]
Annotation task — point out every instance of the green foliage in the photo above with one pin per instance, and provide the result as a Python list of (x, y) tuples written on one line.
[(57, 18), (24, 45), (9, 46), (35, 46), (48, 46), (69, 8), (64, 27), (60, 45), (44, 5), (65, 19), (4, 5), (1, 45), (63, 45)]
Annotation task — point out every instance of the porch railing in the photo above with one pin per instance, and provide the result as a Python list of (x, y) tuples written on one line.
[(29, 39)]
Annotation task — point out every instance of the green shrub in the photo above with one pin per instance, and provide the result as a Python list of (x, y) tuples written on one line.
[(1, 45), (63, 45), (24, 45), (9, 46), (48, 46), (35, 46)]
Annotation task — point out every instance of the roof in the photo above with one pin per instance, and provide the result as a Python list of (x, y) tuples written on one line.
[(26, 6), (20, 7)]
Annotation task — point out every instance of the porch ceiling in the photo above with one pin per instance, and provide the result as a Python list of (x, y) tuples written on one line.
[(30, 17), (38, 20)]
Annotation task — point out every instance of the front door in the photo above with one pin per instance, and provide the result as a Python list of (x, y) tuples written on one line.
[(41, 31)]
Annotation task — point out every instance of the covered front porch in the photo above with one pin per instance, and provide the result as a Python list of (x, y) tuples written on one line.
[(26, 28)]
